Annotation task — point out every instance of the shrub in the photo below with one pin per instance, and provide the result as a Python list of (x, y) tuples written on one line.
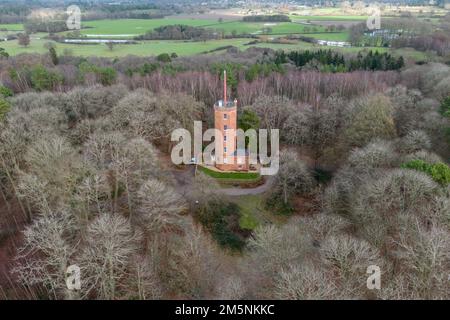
[(248, 120), (222, 220), (43, 79), (6, 92), (4, 108), (445, 107), (107, 75), (440, 172), (164, 57)]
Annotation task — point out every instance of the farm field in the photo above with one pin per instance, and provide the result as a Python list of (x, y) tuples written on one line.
[(11, 27), (133, 27), (336, 36), (128, 28), (259, 27), (184, 48), (328, 18), (143, 48)]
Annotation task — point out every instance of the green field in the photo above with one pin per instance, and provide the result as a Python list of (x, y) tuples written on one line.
[(183, 48), (259, 27), (335, 36), (11, 27), (128, 28), (135, 26), (143, 48), (328, 18)]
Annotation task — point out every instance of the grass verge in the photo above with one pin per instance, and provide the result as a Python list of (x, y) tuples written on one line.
[(237, 176)]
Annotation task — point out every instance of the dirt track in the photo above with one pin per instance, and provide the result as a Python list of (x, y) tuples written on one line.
[(184, 179)]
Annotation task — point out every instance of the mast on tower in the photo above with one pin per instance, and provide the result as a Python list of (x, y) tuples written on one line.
[(225, 88)]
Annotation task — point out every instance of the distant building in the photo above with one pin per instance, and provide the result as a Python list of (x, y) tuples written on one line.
[(333, 43), (225, 120), (384, 33)]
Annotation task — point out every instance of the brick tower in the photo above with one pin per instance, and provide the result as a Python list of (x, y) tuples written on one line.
[(225, 118)]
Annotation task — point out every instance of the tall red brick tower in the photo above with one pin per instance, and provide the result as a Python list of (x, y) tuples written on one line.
[(225, 118)]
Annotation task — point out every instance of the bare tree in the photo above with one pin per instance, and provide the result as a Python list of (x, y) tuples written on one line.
[(110, 246), (415, 140), (231, 288), (293, 177), (159, 206), (305, 282), (24, 39), (110, 45), (48, 249), (348, 258), (195, 265)]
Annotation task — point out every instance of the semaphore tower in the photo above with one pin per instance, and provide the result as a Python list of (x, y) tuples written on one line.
[(225, 120)]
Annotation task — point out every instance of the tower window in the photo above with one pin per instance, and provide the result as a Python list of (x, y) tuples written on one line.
[(224, 149), (225, 116), (224, 138), (225, 127)]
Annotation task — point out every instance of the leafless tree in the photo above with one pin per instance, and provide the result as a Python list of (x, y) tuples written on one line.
[(304, 282), (293, 176), (107, 254), (414, 141), (159, 206), (48, 249), (195, 265)]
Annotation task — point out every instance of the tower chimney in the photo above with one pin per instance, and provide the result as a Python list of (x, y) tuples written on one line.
[(225, 88)]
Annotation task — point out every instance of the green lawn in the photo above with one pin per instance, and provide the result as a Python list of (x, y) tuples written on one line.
[(248, 221), (254, 213), (244, 176)]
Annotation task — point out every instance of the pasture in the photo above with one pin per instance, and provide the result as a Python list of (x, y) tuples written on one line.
[(313, 26)]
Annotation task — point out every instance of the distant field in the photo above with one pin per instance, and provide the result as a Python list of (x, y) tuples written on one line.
[(309, 46), (12, 27), (144, 48), (258, 27), (135, 26), (128, 28), (132, 27), (338, 36), (329, 18), (184, 48)]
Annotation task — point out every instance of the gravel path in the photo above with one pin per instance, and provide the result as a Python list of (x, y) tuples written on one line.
[(184, 181)]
